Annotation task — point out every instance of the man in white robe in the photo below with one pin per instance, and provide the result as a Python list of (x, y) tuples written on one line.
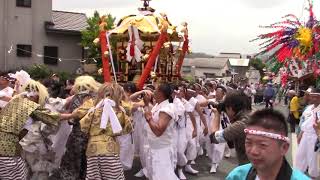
[(306, 157)]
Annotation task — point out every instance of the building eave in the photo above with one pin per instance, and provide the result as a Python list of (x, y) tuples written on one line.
[(66, 32), (48, 27)]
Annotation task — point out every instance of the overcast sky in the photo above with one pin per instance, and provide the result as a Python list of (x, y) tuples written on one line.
[(215, 26)]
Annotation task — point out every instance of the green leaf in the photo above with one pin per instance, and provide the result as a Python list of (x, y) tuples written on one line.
[(92, 32)]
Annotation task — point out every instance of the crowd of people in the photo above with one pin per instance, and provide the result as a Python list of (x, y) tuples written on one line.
[(89, 130)]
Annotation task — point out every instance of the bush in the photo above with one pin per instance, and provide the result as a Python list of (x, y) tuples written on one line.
[(39, 72), (189, 78), (65, 76)]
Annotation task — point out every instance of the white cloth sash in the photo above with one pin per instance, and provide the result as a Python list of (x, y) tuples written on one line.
[(108, 114)]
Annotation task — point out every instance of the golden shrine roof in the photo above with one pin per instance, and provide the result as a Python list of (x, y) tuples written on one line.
[(145, 23)]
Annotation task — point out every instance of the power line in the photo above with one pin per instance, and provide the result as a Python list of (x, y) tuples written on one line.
[(59, 58)]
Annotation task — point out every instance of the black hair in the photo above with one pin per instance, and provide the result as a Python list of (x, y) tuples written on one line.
[(269, 119), (166, 90), (4, 74), (197, 85), (175, 86), (237, 101), (130, 87), (192, 86), (222, 88), (150, 86), (208, 84), (71, 81)]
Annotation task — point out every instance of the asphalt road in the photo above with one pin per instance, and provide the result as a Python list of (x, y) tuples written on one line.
[(203, 163)]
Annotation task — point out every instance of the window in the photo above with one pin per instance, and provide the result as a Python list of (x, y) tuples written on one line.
[(50, 55), (24, 50), (186, 69), (23, 3)]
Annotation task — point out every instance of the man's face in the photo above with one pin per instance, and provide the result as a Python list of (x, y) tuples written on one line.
[(197, 89), (214, 86), (264, 152), (219, 94), (182, 92), (56, 78), (314, 99), (307, 98), (157, 94)]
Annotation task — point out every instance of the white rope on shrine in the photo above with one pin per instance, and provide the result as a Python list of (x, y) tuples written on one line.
[(156, 64), (111, 58)]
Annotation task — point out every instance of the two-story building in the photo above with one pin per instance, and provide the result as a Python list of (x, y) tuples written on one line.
[(223, 65), (32, 33), (205, 67)]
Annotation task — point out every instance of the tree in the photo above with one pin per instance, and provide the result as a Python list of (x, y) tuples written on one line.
[(92, 32), (258, 65)]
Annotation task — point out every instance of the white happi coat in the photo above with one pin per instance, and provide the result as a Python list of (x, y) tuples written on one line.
[(160, 163), (140, 137), (306, 157), (216, 151), (179, 111), (126, 150), (201, 139), (186, 144)]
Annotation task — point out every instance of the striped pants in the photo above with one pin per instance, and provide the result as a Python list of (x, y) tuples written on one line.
[(104, 168), (13, 168)]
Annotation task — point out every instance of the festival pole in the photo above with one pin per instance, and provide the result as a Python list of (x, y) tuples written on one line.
[(104, 56), (151, 60), (185, 47)]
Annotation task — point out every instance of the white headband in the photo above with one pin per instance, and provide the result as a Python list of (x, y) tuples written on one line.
[(190, 90), (267, 134)]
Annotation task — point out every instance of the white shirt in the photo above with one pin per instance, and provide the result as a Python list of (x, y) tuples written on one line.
[(8, 92), (179, 107), (201, 98), (212, 93), (166, 139), (193, 102), (309, 115), (190, 107)]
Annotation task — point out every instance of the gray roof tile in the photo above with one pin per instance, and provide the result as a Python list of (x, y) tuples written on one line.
[(216, 62), (68, 21)]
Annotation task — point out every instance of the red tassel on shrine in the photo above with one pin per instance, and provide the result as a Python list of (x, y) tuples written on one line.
[(132, 44)]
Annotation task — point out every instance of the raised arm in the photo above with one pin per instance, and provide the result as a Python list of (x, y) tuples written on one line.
[(159, 127), (202, 118), (193, 120)]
